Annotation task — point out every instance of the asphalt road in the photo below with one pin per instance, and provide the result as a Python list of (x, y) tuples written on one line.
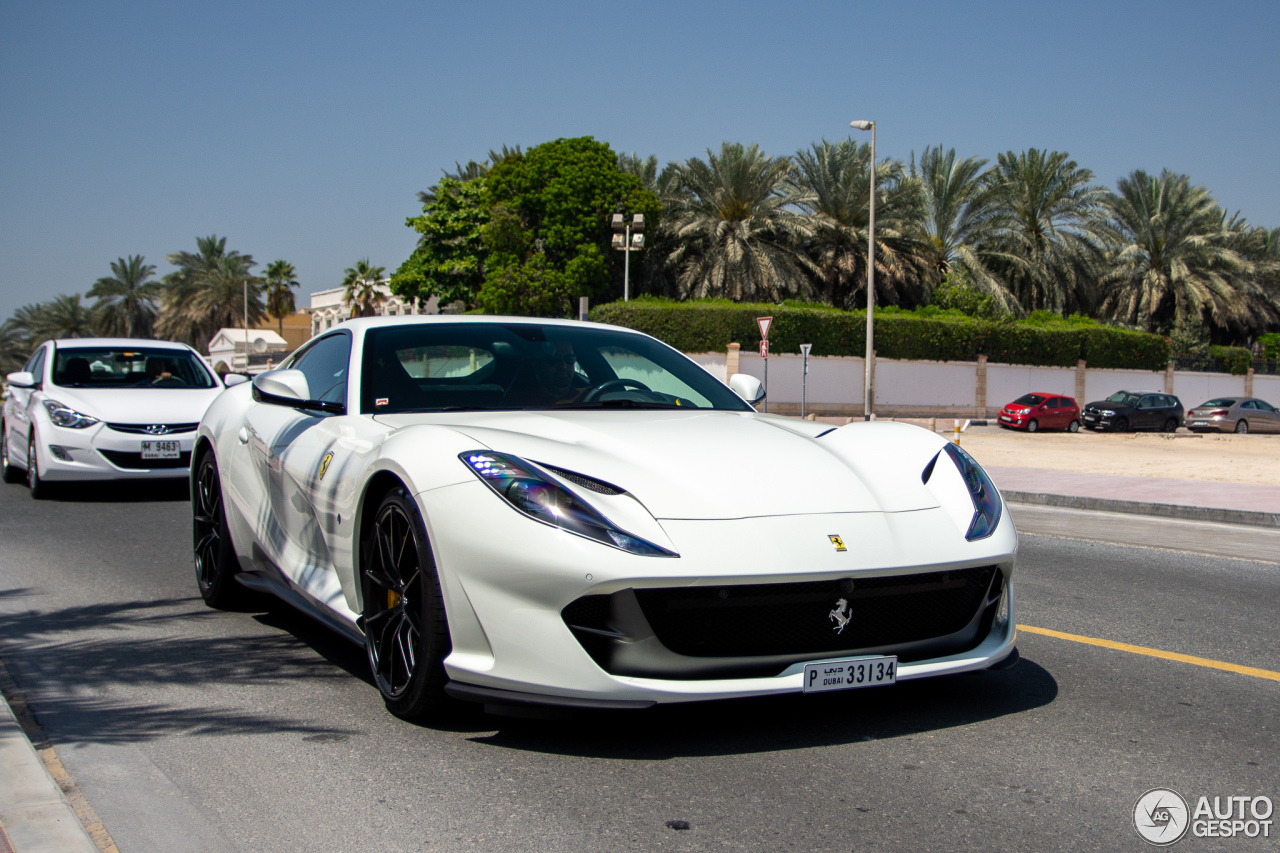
[(194, 730)]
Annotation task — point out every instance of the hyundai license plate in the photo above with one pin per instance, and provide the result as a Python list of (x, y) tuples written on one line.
[(161, 450), (850, 673)]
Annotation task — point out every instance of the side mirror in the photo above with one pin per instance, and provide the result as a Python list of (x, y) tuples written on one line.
[(287, 387), (232, 379), (21, 379), (747, 387)]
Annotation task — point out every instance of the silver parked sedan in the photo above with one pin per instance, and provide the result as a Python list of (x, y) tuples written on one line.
[(1234, 414)]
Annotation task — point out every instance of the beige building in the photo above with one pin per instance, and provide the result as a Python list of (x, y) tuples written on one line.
[(237, 351)]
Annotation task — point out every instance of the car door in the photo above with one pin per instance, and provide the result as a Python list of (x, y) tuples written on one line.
[(286, 446), (1069, 410), (1147, 412), (20, 407)]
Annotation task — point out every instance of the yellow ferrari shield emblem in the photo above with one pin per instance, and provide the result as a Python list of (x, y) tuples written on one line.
[(328, 457), (838, 542)]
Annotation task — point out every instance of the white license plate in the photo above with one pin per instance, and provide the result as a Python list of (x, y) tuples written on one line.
[(850, 673), (1197, 423), (1090, 418), (1005, 418), (161, 450)]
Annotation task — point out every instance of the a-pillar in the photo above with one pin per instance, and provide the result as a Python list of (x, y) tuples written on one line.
[(1081, 375), (731, 360), (980, 395)]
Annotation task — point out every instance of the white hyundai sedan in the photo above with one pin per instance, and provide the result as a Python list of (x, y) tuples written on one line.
[(104, 409), (514, 511)]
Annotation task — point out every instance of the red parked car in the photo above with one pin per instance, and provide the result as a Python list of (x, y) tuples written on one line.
[(1037, 411)]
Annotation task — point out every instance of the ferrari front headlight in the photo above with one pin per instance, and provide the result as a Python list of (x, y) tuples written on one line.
[(67, 417), (536, 495), (986, 500)]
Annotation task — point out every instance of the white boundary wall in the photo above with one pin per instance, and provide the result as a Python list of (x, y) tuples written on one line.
[(961, 388)]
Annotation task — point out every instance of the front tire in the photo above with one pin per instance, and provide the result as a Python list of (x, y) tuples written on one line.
[(8, 472), (405, 627), (1121, 425), (1033, 425), (35, 485), (1242, 426), (215, 555)]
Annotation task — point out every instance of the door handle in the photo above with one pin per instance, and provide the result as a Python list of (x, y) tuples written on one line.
[(243, 435)]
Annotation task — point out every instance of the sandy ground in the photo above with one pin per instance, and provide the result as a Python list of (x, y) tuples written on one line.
[(1253, 459)]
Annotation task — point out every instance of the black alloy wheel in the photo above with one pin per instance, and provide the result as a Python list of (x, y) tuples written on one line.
[(37, 488), (215, 555), (1033, 425), (405, 627), (1242, 426), (8, 472), (1171, 425), (1074, 426), (1120, 425)]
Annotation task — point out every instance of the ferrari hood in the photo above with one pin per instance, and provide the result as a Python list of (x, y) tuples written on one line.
[(709, 464), (137, 405)]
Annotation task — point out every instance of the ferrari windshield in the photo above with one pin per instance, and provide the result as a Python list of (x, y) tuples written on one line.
[(129, 367), (495, 366)]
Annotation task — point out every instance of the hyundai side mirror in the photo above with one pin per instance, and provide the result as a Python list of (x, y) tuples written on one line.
[(747, 387), (21, 379)]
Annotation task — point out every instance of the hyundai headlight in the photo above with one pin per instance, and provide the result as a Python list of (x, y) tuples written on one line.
[(537, 496), (986, 500), (66, 417)]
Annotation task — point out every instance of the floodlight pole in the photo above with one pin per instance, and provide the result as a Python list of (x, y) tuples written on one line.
[(869, 392), (624, 241), (246, 326)]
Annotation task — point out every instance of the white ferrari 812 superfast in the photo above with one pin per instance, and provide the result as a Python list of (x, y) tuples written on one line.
[(524, 512)]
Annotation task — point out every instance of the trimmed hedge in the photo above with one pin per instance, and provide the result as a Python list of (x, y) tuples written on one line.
[(711, 325), (1238, 360)]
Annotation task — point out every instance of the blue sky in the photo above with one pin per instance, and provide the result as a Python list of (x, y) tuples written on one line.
[(303, 130)]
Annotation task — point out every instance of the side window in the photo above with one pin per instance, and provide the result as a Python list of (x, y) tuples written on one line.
[(1147, 403), (1171, 402), (325, 366), (35, 366)]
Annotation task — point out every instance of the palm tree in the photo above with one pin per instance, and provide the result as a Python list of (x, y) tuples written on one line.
[(735, 236), (471, 171), (15, 346), (1175, 259), (64, 316), (1047, 226), (363, 293), (953, 221), (832, 183), (281, 278), (126, 300), (197, 295)]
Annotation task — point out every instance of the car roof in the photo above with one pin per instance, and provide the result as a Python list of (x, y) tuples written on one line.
[(362, 323), (118, 342)]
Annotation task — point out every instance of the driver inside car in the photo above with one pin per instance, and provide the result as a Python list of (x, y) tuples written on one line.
[(554, 374)]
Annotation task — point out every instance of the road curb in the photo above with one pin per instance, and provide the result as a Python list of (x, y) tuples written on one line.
[(1186, 513), (35, 813)]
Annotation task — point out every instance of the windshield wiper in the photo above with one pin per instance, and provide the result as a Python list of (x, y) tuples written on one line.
[(618, 404)]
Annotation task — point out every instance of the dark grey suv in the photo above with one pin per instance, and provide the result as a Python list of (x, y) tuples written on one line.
[(1134, 410)]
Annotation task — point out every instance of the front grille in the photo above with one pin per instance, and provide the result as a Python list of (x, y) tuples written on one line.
[(142, 429), (744, 630), (135, 462), (787, 618)]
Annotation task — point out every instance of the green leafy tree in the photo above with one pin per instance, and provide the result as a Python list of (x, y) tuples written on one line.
[(832, 183), (15, 346), (958, 291), (449, 261), (555, 201), (1046, 230), (471, 171), (735, 234), (1175, 261), (126, 300), (279, 280), (362, 291)]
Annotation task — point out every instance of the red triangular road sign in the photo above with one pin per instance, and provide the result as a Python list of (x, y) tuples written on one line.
[(764, 322)]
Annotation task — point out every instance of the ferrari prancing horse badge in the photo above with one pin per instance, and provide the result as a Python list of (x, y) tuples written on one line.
[(328, 457)]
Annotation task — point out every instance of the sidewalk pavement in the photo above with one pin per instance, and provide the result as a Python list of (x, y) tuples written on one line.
[(35, 815)]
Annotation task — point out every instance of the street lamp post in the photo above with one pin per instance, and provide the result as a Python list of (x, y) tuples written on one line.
[(869, 395), (628, 237)]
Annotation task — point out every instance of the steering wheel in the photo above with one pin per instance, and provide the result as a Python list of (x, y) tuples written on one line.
[(594, 392)]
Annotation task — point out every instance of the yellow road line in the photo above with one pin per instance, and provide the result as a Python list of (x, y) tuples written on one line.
[(1155, 653)]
